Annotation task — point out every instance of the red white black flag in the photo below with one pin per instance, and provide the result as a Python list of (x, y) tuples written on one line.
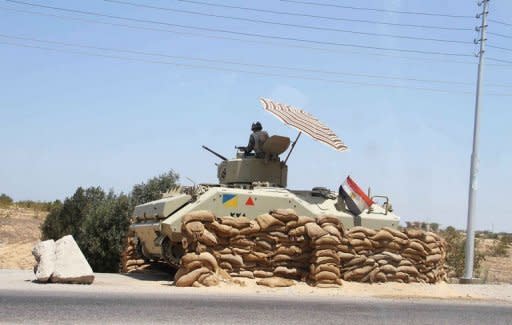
[(357, 201)]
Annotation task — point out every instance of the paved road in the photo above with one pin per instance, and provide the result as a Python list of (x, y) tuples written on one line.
[(18, 306)]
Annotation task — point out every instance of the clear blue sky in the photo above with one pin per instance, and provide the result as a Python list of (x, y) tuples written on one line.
[(69, 120)]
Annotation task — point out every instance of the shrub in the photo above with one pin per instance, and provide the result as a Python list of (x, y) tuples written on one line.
[(99, 221), (35, 205), (5, 200), (455, 251), (500, 248), (153, 188)]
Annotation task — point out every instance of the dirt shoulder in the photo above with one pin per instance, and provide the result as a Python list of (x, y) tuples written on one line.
[(160, 284), (19, 231)]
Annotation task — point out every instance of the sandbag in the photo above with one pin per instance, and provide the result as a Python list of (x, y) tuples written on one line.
[(383, 235), (332, 230), (188, 279), (285, 215), (367, 231), (223, 230), (396, 233), (434, 258), (282, 271), (234, 260), (200, 215), (314, 231), (207, 238), (299, 231), (194, 227), (327, 240), (253, 228), (239, 222), (327, 219), (303, 220), (266, 221)]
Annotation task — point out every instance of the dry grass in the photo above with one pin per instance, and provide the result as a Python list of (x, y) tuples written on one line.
[(495, 269), (19, 231)]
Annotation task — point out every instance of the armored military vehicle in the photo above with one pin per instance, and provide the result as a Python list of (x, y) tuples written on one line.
[(250, 186)]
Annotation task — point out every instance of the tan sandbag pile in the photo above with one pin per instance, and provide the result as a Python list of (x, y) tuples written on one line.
[(130, 261), (325, 236), (282, 245), (272, 245), (388, 254)]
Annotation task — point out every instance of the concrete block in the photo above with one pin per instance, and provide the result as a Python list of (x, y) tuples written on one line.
[(71, 265), (44, 253)]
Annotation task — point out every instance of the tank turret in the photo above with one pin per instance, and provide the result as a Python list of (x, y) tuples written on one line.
[(246, 170)]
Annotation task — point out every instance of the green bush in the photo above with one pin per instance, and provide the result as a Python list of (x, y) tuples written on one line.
[(99, 221), (5, 200), (455, 251), (153, 188)]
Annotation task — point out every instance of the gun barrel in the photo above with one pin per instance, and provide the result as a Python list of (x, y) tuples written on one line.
[(215, 153)]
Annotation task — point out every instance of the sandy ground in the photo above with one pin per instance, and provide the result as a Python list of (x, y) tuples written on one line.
[(19, 231), (495, 269), (160, 284)]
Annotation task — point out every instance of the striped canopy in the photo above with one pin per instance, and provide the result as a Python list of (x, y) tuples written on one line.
[(303, 122)]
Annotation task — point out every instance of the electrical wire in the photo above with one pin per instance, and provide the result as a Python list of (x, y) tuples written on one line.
[(282, 38), (253, 65), (332, 18), (500, 22), (322, 4), (500, 48), (271, 43), (498, 60), (208, 67), (500, 35), (268, 22)]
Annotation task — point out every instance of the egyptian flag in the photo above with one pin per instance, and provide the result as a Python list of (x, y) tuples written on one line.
[(357, 201)]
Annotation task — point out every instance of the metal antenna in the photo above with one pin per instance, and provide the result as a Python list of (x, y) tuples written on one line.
[(473, 182)]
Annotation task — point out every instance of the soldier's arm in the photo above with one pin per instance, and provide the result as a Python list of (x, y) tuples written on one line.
[(250, 146)]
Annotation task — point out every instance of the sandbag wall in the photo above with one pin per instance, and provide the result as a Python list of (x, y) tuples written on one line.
[(130, 261), (272, 245), (283, 245), (388, 254)]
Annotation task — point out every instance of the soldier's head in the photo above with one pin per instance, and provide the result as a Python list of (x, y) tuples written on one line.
[(256, 127)]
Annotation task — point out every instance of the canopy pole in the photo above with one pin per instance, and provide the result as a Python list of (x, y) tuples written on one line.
[(293, 146)]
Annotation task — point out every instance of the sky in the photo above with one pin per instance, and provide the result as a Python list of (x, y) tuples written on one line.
[(87, 116)]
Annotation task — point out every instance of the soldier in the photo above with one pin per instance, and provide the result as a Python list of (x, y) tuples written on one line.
[(256, 140)]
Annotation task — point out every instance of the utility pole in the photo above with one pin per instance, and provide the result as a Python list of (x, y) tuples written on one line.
[(473, 182)]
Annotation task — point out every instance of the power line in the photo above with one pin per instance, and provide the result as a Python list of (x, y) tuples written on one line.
[(500, 35), (322, 4), (500, 48), (193, 66), (296, 14), (500, 22), (271, 43), (499, 60), (257, 65), (319, 49), (268, 22), (245, 33)]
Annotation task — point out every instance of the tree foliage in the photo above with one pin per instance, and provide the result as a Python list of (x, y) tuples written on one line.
[(153, 188), (455, 252), (99, 221), (5, 200)]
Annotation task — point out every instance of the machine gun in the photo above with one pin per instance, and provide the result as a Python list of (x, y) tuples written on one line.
[(215, 153)]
